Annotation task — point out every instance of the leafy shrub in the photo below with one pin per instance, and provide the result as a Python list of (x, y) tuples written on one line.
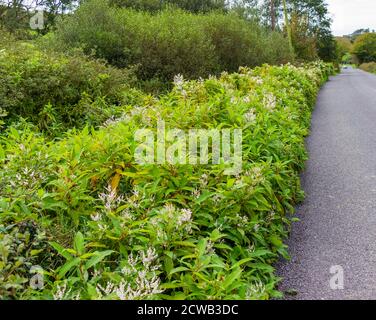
[(369, 67), (53, 89), (238, 42), (157, 5), (110, 228), (365, 47), (170, 42)]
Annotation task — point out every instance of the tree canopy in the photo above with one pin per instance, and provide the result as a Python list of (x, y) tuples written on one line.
[(365, 47)]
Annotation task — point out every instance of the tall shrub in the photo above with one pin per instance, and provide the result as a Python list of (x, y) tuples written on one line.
[(170, 42)]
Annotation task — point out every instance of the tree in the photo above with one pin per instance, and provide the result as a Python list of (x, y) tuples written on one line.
[(304, 42), (319, 25), (313, 14), (15, 14), (272, 13), (287, 24), (365, 47), (247, 9)]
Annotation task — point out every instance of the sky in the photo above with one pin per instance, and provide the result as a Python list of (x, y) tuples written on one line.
[(350, 15)]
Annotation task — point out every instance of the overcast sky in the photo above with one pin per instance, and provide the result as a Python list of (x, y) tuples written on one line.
[(350, 15)]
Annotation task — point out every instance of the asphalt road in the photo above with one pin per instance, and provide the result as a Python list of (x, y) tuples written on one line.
[(338, 217)]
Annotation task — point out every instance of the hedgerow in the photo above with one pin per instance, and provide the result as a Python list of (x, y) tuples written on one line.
[(56, 91), (169, 42), (369, 67), (102, 226)]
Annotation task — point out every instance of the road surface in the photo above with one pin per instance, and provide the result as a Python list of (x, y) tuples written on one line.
[(338, 217)]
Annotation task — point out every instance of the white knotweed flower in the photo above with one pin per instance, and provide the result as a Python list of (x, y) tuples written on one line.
[(184, 217), (210, 247), (242, 220), (126, 215), (121, 292), (270, 101), (110, 198), (96, 217), (250, 115), (255, 173), (107, 291), (61, 292), (258, 80), (148, 257), (179, 81), (255, 289), (246, 99)]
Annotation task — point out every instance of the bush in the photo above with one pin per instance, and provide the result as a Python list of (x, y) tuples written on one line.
[(108, 228), (170, 42), (53, 89), (161, 45), (365, 47), (369, 67), (238, 42)]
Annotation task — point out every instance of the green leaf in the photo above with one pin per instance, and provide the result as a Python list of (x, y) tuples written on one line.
[(176, 270), (201, 247), (204, 196), (98, 257), (184, 244), (61, 250), (79, 243), (68, 266), (232, 277), (2, 153), (241, 262)]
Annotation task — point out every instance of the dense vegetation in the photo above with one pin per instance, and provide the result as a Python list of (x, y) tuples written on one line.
[(171, 42), (57, 91), (102, 226), (365, 47), (80, 218), (358, 48), (368, 66)]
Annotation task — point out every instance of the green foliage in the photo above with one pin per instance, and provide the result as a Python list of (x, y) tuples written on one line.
[(365, 47), (369, 67), (243, 43), (170, 42), (52, 89), (303, 41), (311, 23), (105, 227), (15, 15), (344, 50), (194, 6)]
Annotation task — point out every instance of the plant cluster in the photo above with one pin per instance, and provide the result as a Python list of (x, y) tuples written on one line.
[(369, 67), (169, 42), (101, 226), (57, 91)]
